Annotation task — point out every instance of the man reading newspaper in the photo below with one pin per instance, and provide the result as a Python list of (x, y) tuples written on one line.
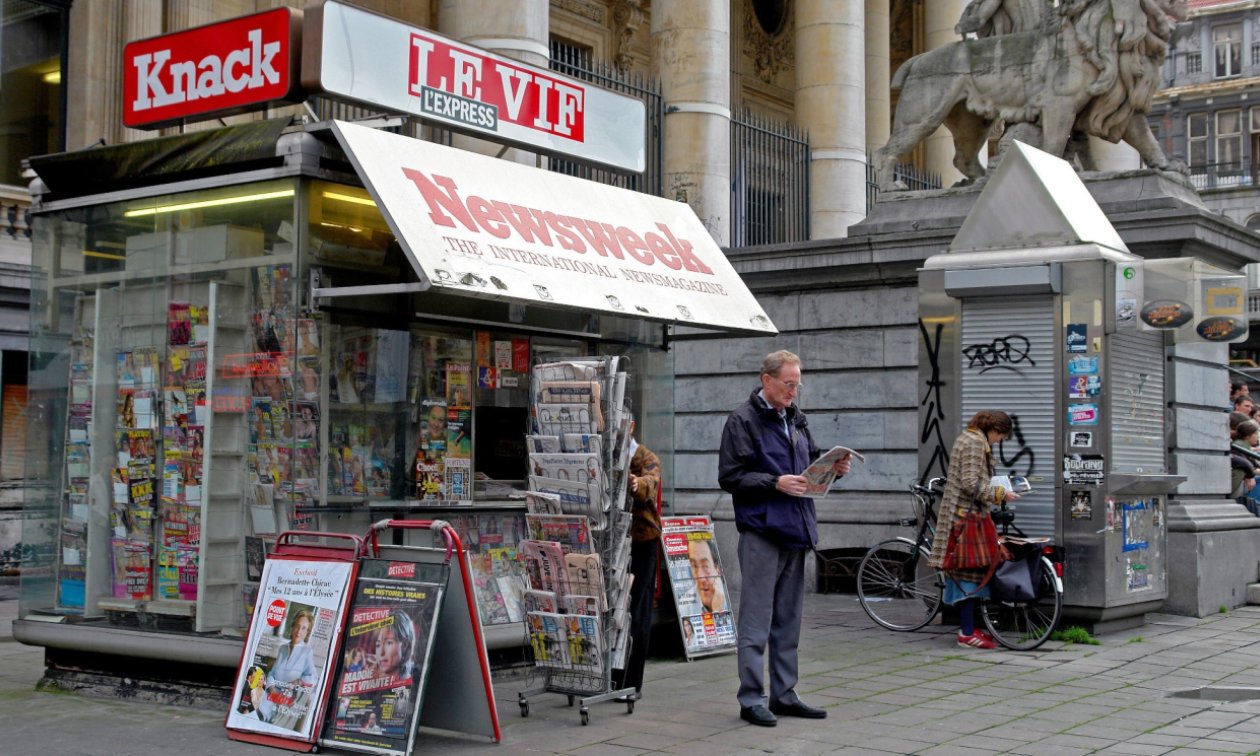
[(766, 448)]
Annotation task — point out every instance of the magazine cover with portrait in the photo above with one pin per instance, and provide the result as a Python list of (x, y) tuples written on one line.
[(289, 653), (699, 586), (379, 687)]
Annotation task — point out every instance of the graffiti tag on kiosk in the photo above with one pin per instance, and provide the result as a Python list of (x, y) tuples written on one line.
[(1004, 353), (1022, 451)]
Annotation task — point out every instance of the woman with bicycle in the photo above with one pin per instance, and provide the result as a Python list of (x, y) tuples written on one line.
[(968, 485)]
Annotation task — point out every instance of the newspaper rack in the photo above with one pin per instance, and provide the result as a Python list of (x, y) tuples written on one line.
[(577, 557), (456, 650), (317, 578)]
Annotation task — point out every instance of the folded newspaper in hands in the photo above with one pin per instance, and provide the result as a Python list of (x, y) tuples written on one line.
[(820, 475), (1017, 483)]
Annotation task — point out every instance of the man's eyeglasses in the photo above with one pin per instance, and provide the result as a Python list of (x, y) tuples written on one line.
[(789, 385)]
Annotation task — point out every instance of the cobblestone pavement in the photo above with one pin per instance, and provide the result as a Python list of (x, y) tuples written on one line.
[(884, 692)]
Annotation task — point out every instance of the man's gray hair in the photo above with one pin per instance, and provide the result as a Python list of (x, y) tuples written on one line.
[(776, 360)]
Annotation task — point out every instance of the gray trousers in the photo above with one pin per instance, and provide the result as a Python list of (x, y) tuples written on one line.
[(770, 603)]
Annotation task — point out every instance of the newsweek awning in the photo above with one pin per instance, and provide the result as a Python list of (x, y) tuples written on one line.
[(478, 226)]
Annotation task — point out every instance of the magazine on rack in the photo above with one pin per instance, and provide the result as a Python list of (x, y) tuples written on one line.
[(583, 468), (572, 532), (586, 577), (579, 604), (582, 634), (548, 639), (539, 601), (543, 444), (574, 370), (575, 498), (539, 502), (569, 392), (584, 442), (558, 419), (821, 474), (544, 566)]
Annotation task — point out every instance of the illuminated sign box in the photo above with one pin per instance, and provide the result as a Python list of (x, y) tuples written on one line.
[(235, 66), (361, 56)]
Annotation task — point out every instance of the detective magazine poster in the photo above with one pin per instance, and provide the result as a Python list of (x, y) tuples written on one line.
[(288, 655), (699, 587), (379, 686)]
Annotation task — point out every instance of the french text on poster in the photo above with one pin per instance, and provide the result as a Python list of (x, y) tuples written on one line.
[(380, 684), (288, 655)]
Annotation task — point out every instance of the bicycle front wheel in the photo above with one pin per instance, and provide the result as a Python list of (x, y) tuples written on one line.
[(896, 586), (1025, 625)]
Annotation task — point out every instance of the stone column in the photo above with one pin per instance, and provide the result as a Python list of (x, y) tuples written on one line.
[(691, 44), (939, 18), (517, 30), (878, 96), (140, 19), (95, 33), (830, 91)]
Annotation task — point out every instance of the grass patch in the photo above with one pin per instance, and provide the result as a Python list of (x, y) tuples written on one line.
[(1075, 634), (1135, 639), (1224, 609)]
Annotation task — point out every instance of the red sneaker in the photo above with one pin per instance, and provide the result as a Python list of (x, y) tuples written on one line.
[(985, 635), (976, 640)]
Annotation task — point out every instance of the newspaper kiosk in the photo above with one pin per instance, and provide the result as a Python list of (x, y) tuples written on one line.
[(1038, 309), (287, 325)]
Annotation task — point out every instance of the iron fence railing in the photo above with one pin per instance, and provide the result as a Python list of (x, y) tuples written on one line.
[(577, 63), (913, 178), (769, 181), (1224, 175)]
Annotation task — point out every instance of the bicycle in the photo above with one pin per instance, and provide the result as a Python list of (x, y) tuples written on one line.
[(899, 590)]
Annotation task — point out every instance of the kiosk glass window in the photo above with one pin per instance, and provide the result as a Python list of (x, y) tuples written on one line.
[(160, 325)]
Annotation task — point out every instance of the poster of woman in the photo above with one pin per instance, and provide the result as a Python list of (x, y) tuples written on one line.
[(380, 683), (288, 660)]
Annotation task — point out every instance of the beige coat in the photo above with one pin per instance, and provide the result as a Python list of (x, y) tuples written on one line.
[(970, 470)]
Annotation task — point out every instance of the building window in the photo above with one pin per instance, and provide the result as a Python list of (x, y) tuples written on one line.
[(31, 35), (1227, 48), (1229, 139), (1255, 54), (1196, 138), (1194, 63)]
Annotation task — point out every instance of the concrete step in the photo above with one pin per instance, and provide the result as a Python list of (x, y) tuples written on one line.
[(1253, 594)]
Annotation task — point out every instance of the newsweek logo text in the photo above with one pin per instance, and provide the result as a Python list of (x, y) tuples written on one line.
[(227, 67), (449, 208), (462, 84)]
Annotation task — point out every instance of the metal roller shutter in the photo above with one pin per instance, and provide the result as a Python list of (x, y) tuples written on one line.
[(1008, 364), (1136, 402)]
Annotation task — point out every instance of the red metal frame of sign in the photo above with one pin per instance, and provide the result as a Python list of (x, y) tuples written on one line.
[(289, 549), (234, 66)]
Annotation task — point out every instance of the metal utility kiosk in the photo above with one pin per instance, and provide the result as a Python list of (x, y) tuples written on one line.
[(1039, 309)]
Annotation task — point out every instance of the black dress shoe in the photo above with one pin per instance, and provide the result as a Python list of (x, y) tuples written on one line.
[(798, 709), (758, 715)]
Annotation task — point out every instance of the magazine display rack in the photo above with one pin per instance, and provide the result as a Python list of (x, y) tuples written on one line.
[(578, 551), (151, 519)]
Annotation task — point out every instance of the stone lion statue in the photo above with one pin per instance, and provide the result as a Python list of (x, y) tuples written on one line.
[(1087, 67)]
